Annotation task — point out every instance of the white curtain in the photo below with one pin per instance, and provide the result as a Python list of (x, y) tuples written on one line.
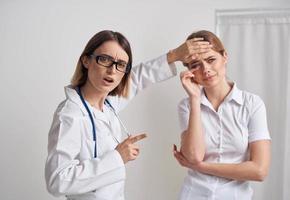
[(258, 45)]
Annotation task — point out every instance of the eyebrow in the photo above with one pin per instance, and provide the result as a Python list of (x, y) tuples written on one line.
[(208, 58), (195, 62), (119, 60)]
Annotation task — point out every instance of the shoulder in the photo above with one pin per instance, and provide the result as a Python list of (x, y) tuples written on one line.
[(68, 110), (71, 107), (252, 101)]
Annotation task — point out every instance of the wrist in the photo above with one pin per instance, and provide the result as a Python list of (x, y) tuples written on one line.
[(194, 101), (201, 167), (195, 107), (171, 56)]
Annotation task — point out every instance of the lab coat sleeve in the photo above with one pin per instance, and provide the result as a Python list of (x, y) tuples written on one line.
[(66, 175), (144, 75), (183, 114)]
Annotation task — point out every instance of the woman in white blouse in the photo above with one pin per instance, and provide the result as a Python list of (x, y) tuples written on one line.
[(225, 141)]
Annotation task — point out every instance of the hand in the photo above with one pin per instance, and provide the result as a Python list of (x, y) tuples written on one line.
[(183, 161), (191, 87), (128, 149), (189, 50), (180, 158)]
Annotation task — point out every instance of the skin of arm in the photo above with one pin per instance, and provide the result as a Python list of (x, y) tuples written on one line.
[(255, 169), (192, 140)]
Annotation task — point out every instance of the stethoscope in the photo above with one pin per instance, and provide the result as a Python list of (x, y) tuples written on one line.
[(107, 103)]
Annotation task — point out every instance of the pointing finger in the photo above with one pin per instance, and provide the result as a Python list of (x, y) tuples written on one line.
[(136, 138)]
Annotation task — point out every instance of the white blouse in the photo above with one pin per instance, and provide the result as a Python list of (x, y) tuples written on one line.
[(240, 120)]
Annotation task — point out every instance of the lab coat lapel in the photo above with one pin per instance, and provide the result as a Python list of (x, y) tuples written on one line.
[(72, 94)]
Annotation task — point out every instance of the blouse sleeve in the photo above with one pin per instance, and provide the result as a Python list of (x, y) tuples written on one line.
[(257, 125)]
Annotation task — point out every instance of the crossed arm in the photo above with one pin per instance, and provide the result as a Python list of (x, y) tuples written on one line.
[(255, 169)]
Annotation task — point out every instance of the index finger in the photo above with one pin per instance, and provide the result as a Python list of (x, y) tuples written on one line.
[(196, 39), (136, 138)]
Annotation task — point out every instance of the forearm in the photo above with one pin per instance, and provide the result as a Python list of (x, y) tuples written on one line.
[(247, 170), (193, 145), (152, 71), (172, 57), (75, 177)]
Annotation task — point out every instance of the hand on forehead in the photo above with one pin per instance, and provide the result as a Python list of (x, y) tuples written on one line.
[(197, 47), (205, 55)]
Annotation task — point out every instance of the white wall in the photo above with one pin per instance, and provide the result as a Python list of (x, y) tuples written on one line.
[(40, 42)]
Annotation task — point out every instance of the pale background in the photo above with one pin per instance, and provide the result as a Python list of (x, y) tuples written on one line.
[(40, 42)]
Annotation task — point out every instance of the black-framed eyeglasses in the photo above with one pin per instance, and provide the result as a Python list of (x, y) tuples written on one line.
[(108, 61)]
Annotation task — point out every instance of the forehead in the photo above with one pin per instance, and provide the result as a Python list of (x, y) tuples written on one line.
[(210, 53), (113, 49)]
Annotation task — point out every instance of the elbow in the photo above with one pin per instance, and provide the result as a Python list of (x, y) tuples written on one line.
[(55, 186), (261, 174), (54, 189), (54, 192), (51, 185), (193, 158)]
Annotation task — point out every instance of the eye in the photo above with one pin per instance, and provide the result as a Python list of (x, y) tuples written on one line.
[(104, 59), (193, 66), (211, 60), (122, 65)]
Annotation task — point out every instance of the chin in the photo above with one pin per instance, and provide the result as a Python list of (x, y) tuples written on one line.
[(209, 84), (111, 88), (103, 89)]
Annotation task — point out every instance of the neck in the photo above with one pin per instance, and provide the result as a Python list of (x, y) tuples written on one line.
[(93, 96), (218, 93)]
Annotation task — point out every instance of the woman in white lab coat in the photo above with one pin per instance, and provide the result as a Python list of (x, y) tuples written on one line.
[(86, 150), (225, 141)]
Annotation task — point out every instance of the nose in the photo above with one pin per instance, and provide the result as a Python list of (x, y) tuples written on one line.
[(206, 69)]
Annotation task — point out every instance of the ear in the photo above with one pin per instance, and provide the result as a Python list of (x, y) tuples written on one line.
[(85, 61), (225, 57)]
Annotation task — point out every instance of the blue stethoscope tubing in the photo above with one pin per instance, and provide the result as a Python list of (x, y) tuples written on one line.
[(91, 117)]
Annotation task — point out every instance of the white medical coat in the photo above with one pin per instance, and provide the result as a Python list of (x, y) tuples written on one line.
[(71, 168)]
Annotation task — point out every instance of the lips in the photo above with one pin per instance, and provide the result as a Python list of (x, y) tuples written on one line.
[(108, 80), (209, 78)]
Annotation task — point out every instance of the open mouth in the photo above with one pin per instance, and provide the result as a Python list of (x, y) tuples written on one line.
[(108, 80)]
